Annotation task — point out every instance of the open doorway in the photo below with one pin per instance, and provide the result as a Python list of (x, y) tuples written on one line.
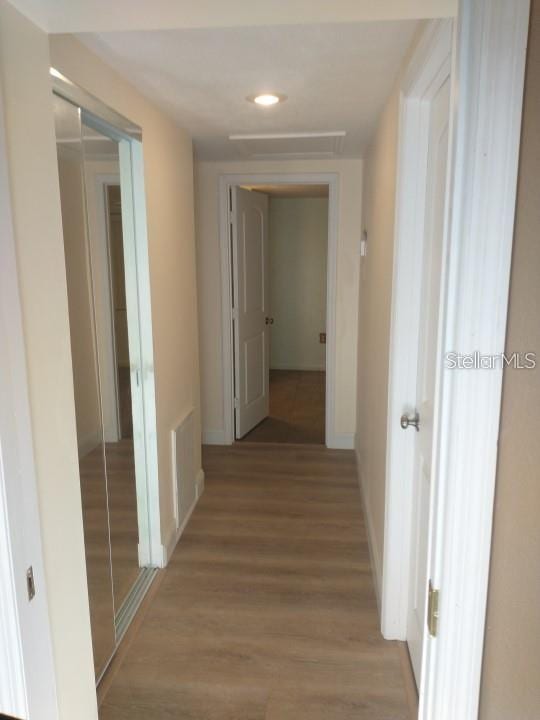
[(279, 262)]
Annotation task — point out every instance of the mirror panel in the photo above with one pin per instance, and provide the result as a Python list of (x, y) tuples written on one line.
[(86, 380), (104, 208), (105, 344)]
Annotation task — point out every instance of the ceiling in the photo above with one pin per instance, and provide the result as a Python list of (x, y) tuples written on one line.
[(284, 190), (71, 16), (336, 76)]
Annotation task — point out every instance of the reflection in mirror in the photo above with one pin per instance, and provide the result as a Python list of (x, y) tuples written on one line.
[(104, 208), (103, 370), (85, 381)]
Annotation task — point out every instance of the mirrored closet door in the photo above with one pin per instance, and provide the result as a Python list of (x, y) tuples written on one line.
[(104, 326)]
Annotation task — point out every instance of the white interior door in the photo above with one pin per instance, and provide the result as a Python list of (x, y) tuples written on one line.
[(250, 308), (429, 277)]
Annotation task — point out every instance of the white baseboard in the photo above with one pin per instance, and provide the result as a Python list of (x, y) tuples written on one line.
[(199, 483), (374, 551), (302, 368), (214, 437), (340, 441), (169, 548), (89, 442)]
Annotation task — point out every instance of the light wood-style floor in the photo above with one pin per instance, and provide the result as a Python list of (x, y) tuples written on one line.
[(297, 409), (267, 609)]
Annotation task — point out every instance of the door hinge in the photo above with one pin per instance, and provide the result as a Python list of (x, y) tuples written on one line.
[(433, 610), (231, 217), (236, 403), (30, 584)]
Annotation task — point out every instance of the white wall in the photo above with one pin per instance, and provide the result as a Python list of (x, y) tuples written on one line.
[(298, 250), (168, 165), (209, 284)]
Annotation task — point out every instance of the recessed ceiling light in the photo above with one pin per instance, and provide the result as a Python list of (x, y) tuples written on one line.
[(267, 99)]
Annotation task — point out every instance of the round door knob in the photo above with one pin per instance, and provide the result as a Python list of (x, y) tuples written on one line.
[(406, 421)]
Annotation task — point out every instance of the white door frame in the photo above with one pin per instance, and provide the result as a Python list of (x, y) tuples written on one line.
[(225, 182), (97, 201), (488, 68), (141, 346), (141, 351), (27, 671)]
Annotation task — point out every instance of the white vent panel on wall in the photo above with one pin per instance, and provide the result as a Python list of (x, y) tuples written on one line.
[(290, 145), (184, 479)]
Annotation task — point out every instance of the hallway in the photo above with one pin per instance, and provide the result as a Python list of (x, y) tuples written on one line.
[(266, 610)]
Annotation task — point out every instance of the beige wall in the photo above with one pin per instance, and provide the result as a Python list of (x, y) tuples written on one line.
[(374, 322), (298, 249), (24, 65), (169, 196), (209, 283), (511, 674)]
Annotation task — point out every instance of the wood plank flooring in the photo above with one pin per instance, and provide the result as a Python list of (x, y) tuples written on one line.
[(297, 409), (267, 609)]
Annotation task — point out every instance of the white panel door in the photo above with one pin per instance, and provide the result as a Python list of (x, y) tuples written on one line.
[(430, 278), (250, 308)]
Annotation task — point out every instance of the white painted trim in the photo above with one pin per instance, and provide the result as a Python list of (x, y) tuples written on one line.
[(214, 437), (200, 482), (489, 59), (87, 443), (333, 440), (374, 550), (489, 71), (141, 350), (140, 336), (100, 253), (27, 671), (428, 68), (176, 479), (168, 549), (340, 441)]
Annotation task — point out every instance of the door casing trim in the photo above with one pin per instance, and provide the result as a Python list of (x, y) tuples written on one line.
[(332, 438), (488, 68)]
